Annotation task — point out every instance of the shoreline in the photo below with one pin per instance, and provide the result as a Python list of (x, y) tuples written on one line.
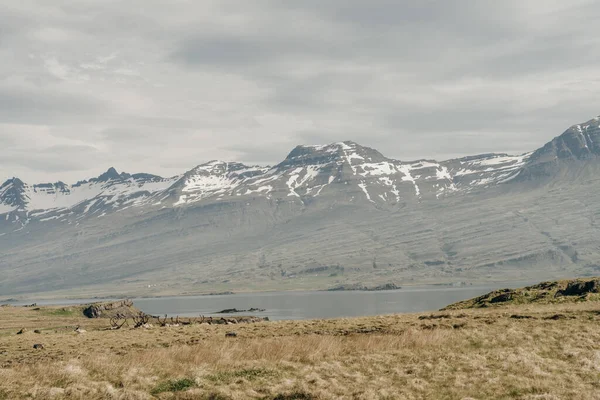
[(405, 287)]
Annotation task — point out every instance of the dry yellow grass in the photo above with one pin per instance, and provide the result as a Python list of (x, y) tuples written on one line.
[(526, 352)]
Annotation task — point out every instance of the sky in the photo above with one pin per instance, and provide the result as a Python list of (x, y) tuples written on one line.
[(161, 86)]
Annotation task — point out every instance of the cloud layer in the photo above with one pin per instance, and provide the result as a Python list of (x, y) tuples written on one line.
[(161, 86)]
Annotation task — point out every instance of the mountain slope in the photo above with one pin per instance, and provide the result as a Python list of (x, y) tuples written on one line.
[(325, 215)]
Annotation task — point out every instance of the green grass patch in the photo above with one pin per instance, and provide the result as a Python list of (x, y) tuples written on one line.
[(62, 312), (178, 385), (249, 374)]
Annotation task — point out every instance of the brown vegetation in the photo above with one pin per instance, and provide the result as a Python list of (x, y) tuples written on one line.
[(518, 351)]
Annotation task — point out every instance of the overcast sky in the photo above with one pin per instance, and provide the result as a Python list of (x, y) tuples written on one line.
[(161, 86)]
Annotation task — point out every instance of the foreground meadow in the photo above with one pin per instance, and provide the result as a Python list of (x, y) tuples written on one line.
[(526, 351)]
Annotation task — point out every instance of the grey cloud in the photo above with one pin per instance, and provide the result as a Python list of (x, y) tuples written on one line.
[(250, 80), (223, 51), (263, 155), (52, 159), (18, 105)]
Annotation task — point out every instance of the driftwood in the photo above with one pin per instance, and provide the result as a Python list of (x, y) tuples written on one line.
[(117, 322), (140, 320), (162, 322)]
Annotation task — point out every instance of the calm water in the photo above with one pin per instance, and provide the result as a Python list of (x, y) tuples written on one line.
[(309, 305)]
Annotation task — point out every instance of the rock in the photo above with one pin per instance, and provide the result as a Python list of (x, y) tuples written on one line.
[(230, 334), (99, 309), (93, 311), (79, 330), (359, 287), (387, 286), (578, 288), (37, 331), (502, 298), (38, 346), (229, 311), (517, 316), (555, 317), (22, 331), (235, 310)]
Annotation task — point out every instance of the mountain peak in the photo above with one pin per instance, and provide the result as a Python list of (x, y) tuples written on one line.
[(109, 175), (12, 193), (580, 141), (345, 151), (217, 167), (12, 181), (346, 145)]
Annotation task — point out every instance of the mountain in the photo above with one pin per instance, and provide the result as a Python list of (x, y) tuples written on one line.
[(326, 215), (306, 173)]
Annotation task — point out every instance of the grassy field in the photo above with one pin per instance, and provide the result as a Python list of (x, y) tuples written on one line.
[(524, 351)]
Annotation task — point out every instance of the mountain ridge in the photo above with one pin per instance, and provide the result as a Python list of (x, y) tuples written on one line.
[(338, 158), (342, 209)]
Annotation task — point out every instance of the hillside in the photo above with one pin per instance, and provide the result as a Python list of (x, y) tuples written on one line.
[(563, 291), (331, 215)]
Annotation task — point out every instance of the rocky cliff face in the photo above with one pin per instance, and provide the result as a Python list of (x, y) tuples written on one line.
[(580, 144)]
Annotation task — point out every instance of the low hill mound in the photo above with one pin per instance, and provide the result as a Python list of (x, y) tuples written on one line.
[(563, 291), (122, 308)]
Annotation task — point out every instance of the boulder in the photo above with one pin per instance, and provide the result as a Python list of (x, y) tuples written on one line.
[(580, 288)]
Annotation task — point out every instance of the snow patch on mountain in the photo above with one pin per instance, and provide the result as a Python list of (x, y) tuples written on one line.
[(215, 178), (406, 170), (363, 187)]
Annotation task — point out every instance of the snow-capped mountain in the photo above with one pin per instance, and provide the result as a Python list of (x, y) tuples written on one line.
[(357, 173), (109, 191), (326, 214)]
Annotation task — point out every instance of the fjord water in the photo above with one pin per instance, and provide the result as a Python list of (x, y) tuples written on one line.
[(316, 305)]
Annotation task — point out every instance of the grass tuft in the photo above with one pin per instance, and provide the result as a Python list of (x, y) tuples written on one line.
[(249, 374), (178, 385)]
